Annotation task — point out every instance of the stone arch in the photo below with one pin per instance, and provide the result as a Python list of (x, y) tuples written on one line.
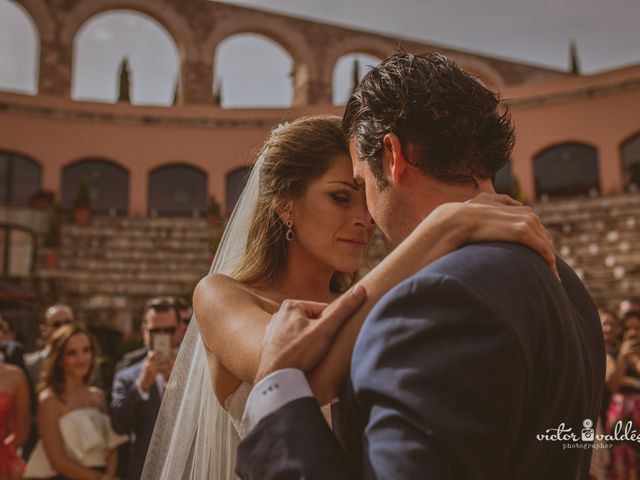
[(373, 46), (338, 78), (108, 183), (566, 169), (263, 83), (490, 77), (23, 67), (278, 31), (177, 189), (235, 181), (20, 178), (152, 53), (630, 160), (164, 13), (41, 17)]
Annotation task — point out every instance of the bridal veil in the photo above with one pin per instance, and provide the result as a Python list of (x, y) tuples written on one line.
[(194, 438)]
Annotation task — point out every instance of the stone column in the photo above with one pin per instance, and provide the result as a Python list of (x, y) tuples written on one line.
[(196, 83), (55, 69), (310, 88)]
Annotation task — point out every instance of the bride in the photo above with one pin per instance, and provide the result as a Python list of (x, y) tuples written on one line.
[(300, 230)]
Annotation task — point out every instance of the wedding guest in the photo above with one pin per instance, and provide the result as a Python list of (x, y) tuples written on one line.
[(138, 389), (7, 332), (139, 354), (14, 419), (627, 305), (76, 438), (11, 349), (55, 316), (611, 330), (623, 383)]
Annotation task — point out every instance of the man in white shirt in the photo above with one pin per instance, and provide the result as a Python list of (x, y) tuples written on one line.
[(457, 369)]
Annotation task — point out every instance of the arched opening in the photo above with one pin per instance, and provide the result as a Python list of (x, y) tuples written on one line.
[(235, 183), (108, 185), (566, 170), (17, 251), (20, 179), (347, 73), (19, 49), (177, 190), (106, 40), (631, 162), (252, 71)]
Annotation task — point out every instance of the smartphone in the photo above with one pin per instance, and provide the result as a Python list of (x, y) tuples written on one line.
[(161, 344)]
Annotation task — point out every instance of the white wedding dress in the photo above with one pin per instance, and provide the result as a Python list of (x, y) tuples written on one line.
[(235, 404), (88, 439)]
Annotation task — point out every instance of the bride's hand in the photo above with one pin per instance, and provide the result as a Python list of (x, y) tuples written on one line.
[(494, 217)]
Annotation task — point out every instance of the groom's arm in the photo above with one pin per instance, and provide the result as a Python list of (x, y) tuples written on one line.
[(442, 379), (288, 436), (292, 439)]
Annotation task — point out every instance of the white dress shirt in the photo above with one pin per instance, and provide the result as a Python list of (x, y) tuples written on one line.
[(161, 383), (271, 393)]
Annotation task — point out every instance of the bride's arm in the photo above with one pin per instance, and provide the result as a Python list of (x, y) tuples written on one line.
[(446, 229), (231, 323)]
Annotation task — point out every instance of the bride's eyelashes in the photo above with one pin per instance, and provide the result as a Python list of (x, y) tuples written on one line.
[(340, 198)]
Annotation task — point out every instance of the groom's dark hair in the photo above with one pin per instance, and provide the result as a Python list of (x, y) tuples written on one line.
[(454, 123)]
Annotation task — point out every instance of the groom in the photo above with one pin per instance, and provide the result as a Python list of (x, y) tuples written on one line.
[(458, 369)]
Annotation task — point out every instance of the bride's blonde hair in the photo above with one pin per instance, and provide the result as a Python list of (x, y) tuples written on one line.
[(294, 156)]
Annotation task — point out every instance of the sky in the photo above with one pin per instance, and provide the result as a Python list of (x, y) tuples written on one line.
[(256, 72)]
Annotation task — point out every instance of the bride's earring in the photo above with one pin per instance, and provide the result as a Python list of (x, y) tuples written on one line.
[(289, 235)]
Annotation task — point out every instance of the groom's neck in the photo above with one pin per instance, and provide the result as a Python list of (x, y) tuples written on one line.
[(433, 193)]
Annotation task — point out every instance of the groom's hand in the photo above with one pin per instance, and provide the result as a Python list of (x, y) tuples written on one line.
[(300, 333)]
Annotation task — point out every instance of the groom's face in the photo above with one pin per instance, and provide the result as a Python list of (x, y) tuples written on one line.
[(379, 201)]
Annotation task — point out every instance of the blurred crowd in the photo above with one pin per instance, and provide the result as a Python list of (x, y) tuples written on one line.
[(63, 417), (621, 401)]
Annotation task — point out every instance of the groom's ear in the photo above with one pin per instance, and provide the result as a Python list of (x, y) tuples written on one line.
[(394, 162)]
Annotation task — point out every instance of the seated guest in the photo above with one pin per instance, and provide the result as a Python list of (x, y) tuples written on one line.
[(14, 419), (138, 389), (76, 439)]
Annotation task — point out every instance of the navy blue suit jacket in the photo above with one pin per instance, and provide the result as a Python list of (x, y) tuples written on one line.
[(454, 374), (133, 416)]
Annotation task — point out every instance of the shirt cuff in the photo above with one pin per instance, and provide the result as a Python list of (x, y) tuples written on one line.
[(271, 393), (144, 396)]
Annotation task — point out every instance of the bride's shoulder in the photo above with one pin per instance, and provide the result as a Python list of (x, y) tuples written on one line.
[(218, 294), (219, 287)]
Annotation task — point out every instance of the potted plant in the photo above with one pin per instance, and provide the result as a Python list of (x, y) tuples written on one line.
[(51, 254), (214, 212), (42, 199), (82, 204)]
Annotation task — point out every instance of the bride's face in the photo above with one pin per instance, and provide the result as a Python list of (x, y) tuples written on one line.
[(331, 220)]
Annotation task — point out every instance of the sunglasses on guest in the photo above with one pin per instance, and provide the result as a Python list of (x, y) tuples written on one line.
[(59, 323), (169, 330)]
